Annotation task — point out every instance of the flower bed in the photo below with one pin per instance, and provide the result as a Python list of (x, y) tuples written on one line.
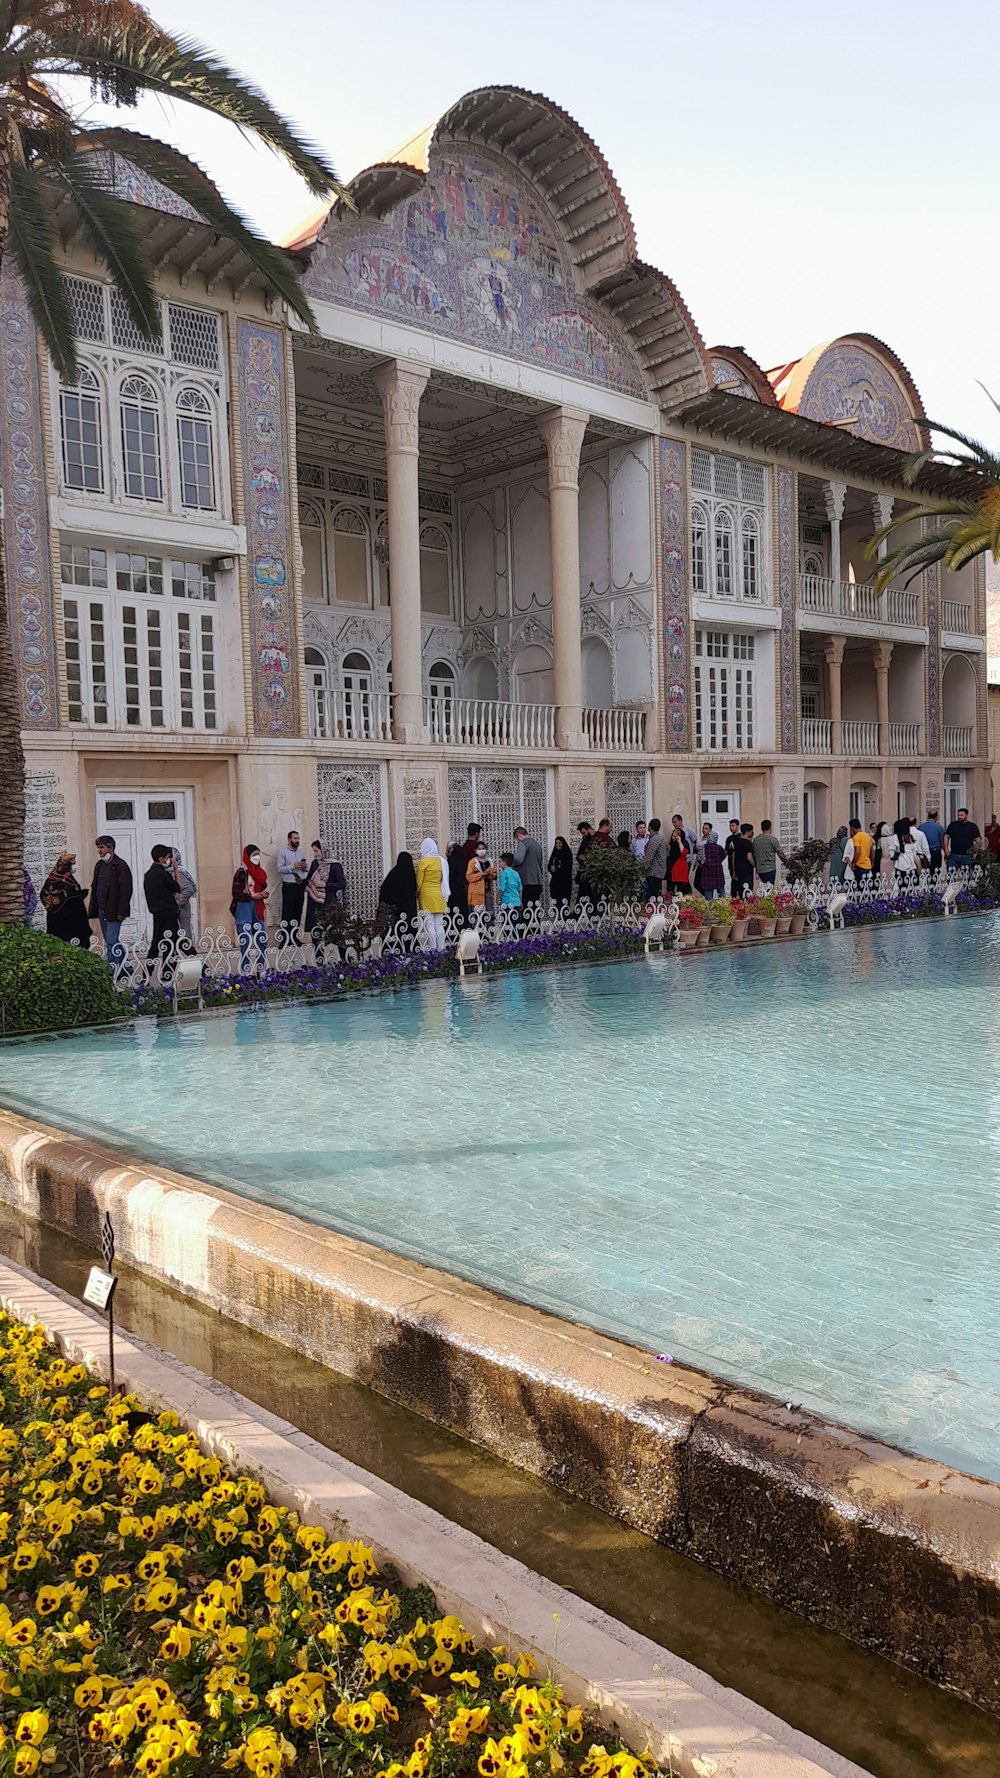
[(877, 909), (316, 980), (159, 1617)]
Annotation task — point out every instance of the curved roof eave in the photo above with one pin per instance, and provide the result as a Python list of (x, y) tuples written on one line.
[(574, 180), (749, 368)]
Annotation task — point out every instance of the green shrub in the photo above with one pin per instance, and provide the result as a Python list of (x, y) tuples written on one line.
[(46, 985), (611, 874)]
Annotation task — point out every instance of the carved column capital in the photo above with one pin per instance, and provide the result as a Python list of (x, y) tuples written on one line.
[(401, 386), (834, 496), (882, 656), (833, 649), (563, 431)]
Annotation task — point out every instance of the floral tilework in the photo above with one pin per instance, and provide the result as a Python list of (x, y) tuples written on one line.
[(932, 585), (475, 255), (786, 602), (269, 556), (849, 384), (26, 536), (673, 558)]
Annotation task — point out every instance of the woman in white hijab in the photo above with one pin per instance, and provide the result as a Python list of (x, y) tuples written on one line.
[(433, 890), (888, 848)]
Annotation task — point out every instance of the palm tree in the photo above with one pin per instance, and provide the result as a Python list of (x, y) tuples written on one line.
[(968, 523), (48, 150)]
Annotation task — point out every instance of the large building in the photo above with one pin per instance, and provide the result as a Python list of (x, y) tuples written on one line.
[(502, 540)]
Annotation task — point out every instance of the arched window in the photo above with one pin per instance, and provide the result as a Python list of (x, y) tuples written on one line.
[(82, 441), (441, 683), (196, 450), (597, 676), (140, 419), (699, 551), (312, 533), (350, 557), (441, 680), (435, 571), (318, 686), (482, 680), (751, 556), (724, 564), (356, 675)]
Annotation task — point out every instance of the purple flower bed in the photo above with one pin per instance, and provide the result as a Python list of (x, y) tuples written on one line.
[(324, 980), (908, 907)]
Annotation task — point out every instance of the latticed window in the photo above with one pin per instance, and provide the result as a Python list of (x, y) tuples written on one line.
[(195, 450), (194, 336), (140, 418), (124, 331), (727, 527), (82, 442), (724, 702), (141, 649), (86, 300)]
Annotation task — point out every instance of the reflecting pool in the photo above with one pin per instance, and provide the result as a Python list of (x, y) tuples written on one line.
[(778, 1163)]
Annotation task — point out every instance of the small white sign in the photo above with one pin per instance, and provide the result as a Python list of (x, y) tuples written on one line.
[(99, 1288)]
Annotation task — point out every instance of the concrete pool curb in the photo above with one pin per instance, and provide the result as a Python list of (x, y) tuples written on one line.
[(894, 1551), (653, 1697)]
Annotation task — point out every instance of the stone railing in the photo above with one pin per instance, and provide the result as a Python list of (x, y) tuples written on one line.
[(905, 740), (480, 722), (817, 732), (860, 739), (849, 598), (956, 617), (956, 741), (615, 731), (349, 715)]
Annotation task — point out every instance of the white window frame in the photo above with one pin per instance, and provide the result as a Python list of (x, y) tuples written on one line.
[(725, 691), (141, 398), (139, 661), (89, 387), (727, 518)]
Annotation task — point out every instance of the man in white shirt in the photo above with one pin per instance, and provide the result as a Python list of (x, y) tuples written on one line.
[(638, 846), (293, 866), (922, 847)]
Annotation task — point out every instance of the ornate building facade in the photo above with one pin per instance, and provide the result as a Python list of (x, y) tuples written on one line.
[(501, 540)]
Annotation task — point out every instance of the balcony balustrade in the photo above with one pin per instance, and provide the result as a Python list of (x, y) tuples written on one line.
[(905, 740), (956, 617), (956, 741), (849, 598), (860, 740), (480, 722), (615, 731), (817, 734), (349, 715)]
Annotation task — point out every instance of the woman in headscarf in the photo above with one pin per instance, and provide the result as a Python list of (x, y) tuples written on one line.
[(65, 903), (561, 874), (837, 865), (326, 884), (711, 863), (433, 890), (188, 890), (399, 891), (249, 904), (888, 847)]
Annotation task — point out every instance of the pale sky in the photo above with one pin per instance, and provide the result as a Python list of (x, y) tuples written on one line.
[(798, 169)]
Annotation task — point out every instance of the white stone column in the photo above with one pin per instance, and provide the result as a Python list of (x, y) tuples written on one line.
[(401, 386), (834, 651), (882, 505), (563, 431), (882, 654), (835, 495)]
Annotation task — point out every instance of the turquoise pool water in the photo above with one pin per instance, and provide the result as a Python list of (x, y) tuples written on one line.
[(778, 1163)]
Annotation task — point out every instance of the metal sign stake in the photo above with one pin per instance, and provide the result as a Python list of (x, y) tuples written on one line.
[(99, 1290)]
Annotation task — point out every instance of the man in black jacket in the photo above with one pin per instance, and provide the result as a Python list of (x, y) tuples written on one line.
[(161, 889), (110, 898)]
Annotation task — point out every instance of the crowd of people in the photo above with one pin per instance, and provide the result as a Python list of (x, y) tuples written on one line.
[(478, 886)]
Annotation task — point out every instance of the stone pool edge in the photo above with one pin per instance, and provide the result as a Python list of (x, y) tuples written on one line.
[(894, 1551), (694, 1724)]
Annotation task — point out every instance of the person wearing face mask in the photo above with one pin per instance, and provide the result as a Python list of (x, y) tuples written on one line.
[(111, 898), (248, 907), (480, 875)]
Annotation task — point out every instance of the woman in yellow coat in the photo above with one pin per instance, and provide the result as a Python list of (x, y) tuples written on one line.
[(433, 890)]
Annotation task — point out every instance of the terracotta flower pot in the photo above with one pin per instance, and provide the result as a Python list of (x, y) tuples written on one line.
[(783, 924), (762, 928), (798, 924), (738, 930), (718, 935), (703, 934), (687, 937)]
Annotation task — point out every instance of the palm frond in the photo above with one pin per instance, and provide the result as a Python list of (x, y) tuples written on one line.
[(33, 247), (109, 226), (910, 559), (143, 54), (186, 180), (973, 455)]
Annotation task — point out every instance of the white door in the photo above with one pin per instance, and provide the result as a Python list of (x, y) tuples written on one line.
[(954, 796), (138, 820)]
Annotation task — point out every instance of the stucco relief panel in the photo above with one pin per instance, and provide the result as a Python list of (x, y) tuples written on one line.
[(475, 255), (531, 557)]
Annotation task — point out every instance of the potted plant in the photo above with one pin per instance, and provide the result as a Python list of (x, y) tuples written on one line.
[(689, 927), (800, 914), (741, 906), (722, 916), (704, 908), (784, 902), (765, 914)]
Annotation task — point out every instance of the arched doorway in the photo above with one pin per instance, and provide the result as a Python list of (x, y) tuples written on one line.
[(958, 707)]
